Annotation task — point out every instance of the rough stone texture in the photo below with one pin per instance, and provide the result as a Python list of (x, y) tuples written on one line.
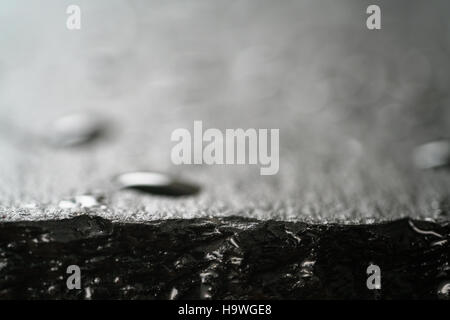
[(228, 258), (351, 105)]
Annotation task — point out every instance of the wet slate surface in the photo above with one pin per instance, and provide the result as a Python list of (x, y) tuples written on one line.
[(227, 258)]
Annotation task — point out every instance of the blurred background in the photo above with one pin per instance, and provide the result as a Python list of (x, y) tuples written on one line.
[(352, 105)]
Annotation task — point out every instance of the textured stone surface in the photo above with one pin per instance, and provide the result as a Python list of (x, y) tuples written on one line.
[(351, 105), (222, 259)]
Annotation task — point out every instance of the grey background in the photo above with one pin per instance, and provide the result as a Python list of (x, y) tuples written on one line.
[(351, 104)]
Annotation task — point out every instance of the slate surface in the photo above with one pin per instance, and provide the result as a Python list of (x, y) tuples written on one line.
[(351, 105), (229, 258)]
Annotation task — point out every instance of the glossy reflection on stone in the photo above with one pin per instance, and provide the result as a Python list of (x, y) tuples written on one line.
[(75, 129), (156, 183)]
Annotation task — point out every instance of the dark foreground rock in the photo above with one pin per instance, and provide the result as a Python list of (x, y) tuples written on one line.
[(227, 258)]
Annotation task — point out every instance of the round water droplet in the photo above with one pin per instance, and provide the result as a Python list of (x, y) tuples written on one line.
[(75, 129), (156, 183), (432, 155)]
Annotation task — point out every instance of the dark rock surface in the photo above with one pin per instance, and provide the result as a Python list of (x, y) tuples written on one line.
[(222, 259)]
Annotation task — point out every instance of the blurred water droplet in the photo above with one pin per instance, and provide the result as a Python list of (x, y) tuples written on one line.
[(81, 201), (87, 201), (431, 155), (97, 280), (444, 291), (75, 129), (67, 204), (156, 183)]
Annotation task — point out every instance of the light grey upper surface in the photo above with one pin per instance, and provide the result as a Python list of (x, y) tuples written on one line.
[(351, 105)]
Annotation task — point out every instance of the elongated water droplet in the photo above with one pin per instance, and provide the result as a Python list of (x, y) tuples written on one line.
[(156, 183), (75, 129), (433, 155), (173, 294)]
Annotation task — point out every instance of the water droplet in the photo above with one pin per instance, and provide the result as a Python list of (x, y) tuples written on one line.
[(307, 268), (444, 290), (236, 260), (155, 183), (51, 289), (45, 237), (75, 129), (87, 293), (86, 201), (81, 201), (233, 242), (173, 294), (67, 204), (432, 155), (308, 263)]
